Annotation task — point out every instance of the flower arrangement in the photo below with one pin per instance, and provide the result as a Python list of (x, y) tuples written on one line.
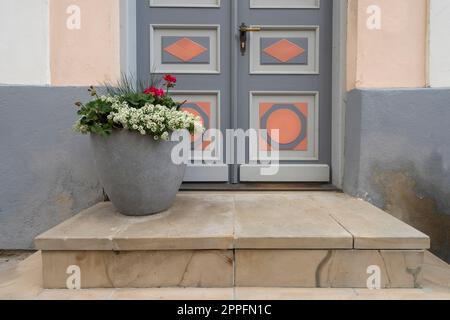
[(146, 109)]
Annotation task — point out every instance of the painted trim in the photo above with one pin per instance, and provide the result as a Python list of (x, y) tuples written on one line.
[(234, 80), (128, 38), (287, 28), (428, 53), (339, 91), (180, 5), (287, 173), (273, 6), (215, 27), (210, 173), (48, 71), (438, 44)]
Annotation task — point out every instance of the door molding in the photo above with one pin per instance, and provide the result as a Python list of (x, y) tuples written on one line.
[(128, 37), (128, 53), (252, 49), (287, 173), (339, 91), (313, 156), (195, 70)]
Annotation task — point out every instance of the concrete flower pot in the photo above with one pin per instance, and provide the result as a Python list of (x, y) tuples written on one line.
[(137, 172)]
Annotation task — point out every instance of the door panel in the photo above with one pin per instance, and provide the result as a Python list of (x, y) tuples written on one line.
[(282, 82), (296, 113), (206, 105), (191, 39), (285, 50), (181, 48)]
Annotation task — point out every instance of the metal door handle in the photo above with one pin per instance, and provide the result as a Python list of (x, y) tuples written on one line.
[(243, 29)]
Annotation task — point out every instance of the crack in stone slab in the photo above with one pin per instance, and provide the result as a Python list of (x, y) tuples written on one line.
[(186, 268), (321, 265)]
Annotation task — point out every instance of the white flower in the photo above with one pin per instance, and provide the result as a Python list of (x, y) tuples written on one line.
[(159, 120), (165, 136), (78, 127)]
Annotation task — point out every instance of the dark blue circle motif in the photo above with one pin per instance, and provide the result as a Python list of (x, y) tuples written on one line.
[(303, 120)]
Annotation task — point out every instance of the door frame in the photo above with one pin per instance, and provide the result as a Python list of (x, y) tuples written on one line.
[(128, 65)]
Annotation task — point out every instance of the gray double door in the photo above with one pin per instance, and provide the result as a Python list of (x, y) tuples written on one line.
[(274, 75)]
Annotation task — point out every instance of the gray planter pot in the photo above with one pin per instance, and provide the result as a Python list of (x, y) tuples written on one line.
[(137, 172)]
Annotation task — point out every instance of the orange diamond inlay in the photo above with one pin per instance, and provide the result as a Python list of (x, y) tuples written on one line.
[(284, 50), (185, 49)]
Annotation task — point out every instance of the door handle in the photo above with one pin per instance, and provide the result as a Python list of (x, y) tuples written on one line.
[(243, 29)]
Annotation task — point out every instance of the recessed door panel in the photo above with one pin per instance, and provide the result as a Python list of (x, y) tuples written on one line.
[(295, 115), (284, 50), (187, 48), (206, 106)]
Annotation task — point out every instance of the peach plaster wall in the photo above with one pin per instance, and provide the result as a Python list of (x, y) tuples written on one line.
[(395, 55), (91, 54)]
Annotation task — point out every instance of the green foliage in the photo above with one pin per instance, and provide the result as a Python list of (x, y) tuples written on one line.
[(94, 118), (138, 100), (129, 85), (94, 114), (132, 91)]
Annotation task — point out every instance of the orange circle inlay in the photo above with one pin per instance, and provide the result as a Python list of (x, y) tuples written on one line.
[(287, 122)]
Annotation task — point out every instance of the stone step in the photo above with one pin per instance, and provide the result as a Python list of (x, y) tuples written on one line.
[(298, 239), (24, 281), (233, 268)]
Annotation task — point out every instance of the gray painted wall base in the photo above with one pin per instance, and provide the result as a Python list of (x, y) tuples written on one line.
[(398, 156), (47, 172)]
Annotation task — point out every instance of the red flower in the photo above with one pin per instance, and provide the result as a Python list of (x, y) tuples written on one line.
[(159, 93), (154, 91), (170, 79)]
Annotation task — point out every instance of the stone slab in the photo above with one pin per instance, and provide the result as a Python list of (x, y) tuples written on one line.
[(240, 268), (24, 281), (326, 268), (76, 295), (140, 269), (244, 220), (195, 222), (371, 227), (309, 294), (263, 294), (174, 294), (436, 272), (286, 221)]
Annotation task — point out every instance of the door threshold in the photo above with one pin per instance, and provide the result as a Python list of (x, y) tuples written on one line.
[(313, 186)]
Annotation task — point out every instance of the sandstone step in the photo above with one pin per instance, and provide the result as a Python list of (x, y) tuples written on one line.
[(24, 281), (219, 239), (200, 221), (228, 268)]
